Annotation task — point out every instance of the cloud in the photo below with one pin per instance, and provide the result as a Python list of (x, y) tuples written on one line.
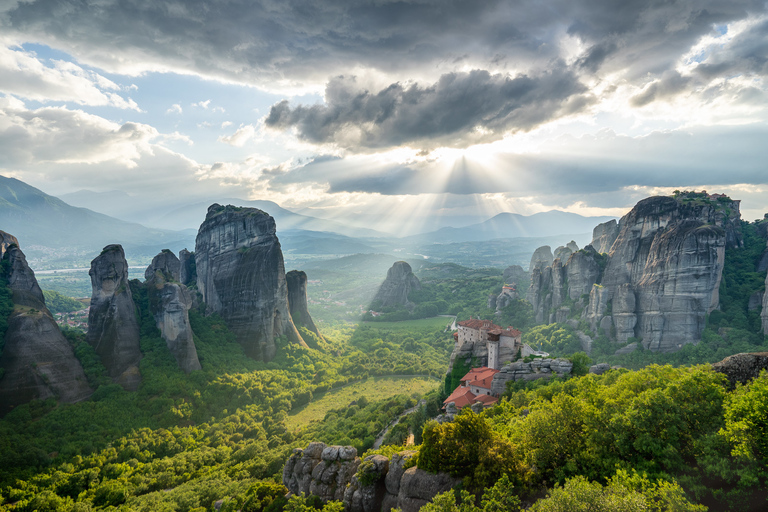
[(175, 109), (240, 137), (458, 110), (24, 75), (202, 104), (60, 135), (301, 42)]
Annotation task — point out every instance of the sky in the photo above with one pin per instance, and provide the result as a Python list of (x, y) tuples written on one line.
[(395, 115)]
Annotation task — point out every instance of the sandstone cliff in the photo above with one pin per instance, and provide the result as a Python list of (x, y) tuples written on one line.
[(541, 257), (241, 276), (764, 312), (113, 329), (399, 283), (36, 361), (187, 270), (370, 485), (297, 300), (169, 303), (660, 279)]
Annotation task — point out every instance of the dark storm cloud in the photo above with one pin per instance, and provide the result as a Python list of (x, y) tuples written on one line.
[(299, 39), (459, 109)]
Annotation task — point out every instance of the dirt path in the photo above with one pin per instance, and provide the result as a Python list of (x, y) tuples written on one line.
[(380, 438)]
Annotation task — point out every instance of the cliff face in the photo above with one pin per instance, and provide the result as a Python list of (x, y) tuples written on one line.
[(764, 312), (661, 276), (169, 302), (37, 362), (297, 300), (541, 257), (187, 270), (112, 326), (241, 276), (604, 235), (331, 473), (398, 284)]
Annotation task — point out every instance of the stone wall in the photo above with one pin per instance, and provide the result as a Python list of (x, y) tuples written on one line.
[(536, 369)]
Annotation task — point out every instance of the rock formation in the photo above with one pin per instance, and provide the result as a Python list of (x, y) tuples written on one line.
[(36, 361), (297, 300), (536, 369), (541, 257), (507, 296), (371, 485), (515, 274), (169, 303), (241, 276), (397, 286), (764, 312), (187, 270), (604, 235), (659, 280), (742, 367), (113, 329)]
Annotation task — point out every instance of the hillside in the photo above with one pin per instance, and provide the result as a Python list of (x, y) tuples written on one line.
[(55, 234)]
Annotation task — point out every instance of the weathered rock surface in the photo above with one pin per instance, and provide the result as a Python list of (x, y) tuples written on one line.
[(507, 296), (169, 303), (397, 286), (515, 274), (764, 312), (241, 276), (604, 235), (297, 300), (541, 257), (321, 470), (187, 270), (37, 361), (660, 278), (371, 485), (417, 488), (536, 369), (742, 367), (599, 369), (112, 326)]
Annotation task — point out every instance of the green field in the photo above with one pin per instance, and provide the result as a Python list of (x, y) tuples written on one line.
[(436, 322), (374, 388)]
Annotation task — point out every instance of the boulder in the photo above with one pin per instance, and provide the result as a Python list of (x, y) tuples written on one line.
[(366, 491), (113, 330), (742, 367), (397, 286), (241, 276), (417, 488)]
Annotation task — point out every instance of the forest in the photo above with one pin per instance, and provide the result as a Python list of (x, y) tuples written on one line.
[(665, 432)]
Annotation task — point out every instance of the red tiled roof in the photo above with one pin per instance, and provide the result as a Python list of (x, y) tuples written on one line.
[(486, 399), (476, 323), (511, 332), (461, 396), (480, 377), (456, 335)]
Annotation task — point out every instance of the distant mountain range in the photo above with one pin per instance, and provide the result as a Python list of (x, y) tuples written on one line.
[(513, 225), (45, 224)]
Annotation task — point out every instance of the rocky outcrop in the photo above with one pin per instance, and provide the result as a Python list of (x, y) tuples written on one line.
[(169, 303), (374, 484), (564, 252), (507, 296), (742, 367), (241, 276), (187, 269), (536, 369), (604, 235), (397, 286), (541, 257), (659, 279), (36, 361), (297, 300), (515, 274), (113, 329)]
